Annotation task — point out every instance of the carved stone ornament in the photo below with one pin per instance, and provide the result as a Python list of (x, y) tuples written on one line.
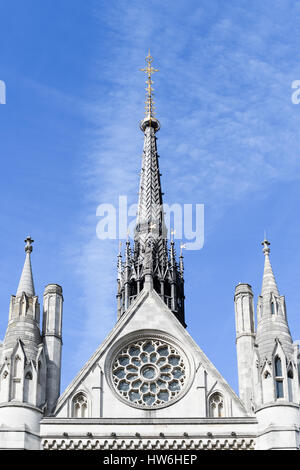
[(149, 372)]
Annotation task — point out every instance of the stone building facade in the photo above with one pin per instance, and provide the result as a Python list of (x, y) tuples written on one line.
[(149, 385)]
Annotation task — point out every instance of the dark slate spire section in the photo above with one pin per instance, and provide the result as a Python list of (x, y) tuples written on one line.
[(150, 218), (150, 264)]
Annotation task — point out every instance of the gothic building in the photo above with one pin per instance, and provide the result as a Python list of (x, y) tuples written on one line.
[(149, 385)]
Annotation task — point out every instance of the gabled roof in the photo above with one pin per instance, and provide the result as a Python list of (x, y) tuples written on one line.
[(161, 320)]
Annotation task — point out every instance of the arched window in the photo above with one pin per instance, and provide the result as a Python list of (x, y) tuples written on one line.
[(40, 379), (272, 308), (278, 378), (17, 392), (290, 376), (80, 406), (278, 367), (27, 387), (156, 285), (216, 406), (18, 367), (132, 288)]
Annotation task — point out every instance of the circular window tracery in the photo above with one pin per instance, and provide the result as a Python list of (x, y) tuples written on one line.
[(149, 372)]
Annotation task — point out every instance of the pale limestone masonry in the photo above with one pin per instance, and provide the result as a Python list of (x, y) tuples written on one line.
[(28, 386), (149, 385), (268, 363)]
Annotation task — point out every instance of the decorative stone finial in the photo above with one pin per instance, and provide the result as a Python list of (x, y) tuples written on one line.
[(266, 244), (28, 241), (26, 281)]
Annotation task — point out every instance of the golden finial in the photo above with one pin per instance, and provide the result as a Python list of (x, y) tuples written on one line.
[(149, 103)]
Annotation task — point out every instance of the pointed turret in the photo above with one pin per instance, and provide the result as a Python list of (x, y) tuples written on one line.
[(24, 312), (30, 362), (148, 265), (267, 362), (269, 283), (271, 313), (26, 281), (275, 366), (23, 368)]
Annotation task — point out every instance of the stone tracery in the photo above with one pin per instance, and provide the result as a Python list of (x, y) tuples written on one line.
[(149, 373)]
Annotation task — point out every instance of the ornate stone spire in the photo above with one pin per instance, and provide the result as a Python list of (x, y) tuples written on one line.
[(149, 265), (26, 281), (24, 312), (150, 223), (269, 283), (271, 313)]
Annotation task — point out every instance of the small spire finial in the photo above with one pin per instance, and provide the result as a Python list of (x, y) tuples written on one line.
[(149, 103), (28, 241), (266, 244), (182, 246)]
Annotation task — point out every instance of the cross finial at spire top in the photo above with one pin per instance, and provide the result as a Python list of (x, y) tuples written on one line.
[(149, 70), (28, 241), (266, 244)]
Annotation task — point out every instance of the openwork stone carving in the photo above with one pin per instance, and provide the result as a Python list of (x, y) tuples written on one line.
[(216, 405), (149, 372), (80, 406)]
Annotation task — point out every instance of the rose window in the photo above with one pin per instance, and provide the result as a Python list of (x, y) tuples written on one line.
[(149, 372)]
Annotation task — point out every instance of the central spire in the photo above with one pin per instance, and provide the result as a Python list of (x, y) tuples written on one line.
[(150, 226), (150, 264)]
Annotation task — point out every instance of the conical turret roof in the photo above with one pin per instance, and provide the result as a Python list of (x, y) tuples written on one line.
[(26, 281), (269, 283), (272, 322)]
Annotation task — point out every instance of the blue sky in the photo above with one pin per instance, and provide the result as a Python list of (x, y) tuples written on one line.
[(229, 139)]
